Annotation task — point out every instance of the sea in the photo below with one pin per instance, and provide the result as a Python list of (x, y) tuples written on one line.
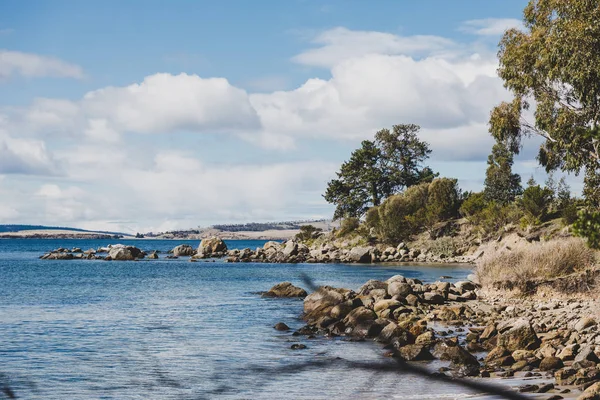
[(174, 329)]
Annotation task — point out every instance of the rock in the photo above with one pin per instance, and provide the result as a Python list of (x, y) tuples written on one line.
[(584, 323), (183, 250), (280, 326), (386, 304), (360, 255), (591, 393), (398, 288), (153, 256), (433, 298), (272, 245), (372, 285), (425, 339), (455, 353), (298, 346), (212, 245), (290, 249), (121, 252), (464, 286), (586, 354), (412, 300), (568, 353), (320, 302), (520, 355), (396, 278), (414, 352), (391, 333), (517, 334), (285, 289), (551, 364)]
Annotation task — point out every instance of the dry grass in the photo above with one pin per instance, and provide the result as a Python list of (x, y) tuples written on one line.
[(528, 262)]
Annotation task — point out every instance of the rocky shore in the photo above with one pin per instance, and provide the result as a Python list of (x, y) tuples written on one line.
[(291, 251), (554, 344)]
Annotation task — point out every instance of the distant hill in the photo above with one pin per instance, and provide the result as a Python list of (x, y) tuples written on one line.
[(18, 228), (264, 226)]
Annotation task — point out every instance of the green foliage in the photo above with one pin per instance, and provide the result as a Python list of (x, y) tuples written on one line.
[(348, 226), (495, 216), (443, 200), (473, 205), (535, 203), (308, 232), (379, 169), (501, 185), (588, 226), (419, 207), (555, 64)]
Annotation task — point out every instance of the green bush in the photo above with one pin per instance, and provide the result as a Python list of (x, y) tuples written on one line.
[(472, 206), (588, 226), (535, 203), (308, 232), (495, 216), (348, 226), (443, 200)]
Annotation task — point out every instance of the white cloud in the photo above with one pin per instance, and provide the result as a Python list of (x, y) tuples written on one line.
[(35, 66), (25, 156), (338, 44), (490, 26), (165, 103)]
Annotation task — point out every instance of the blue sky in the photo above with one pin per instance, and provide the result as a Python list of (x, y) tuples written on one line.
[(145, 115)]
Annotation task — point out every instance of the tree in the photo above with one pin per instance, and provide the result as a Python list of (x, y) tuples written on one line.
[(501, 185), (555, 64), (379, 169)]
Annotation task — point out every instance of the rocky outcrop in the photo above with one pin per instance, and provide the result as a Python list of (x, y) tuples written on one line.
[(117, 252), (121, 252), (211, 247), (183, 250), (285, 289)]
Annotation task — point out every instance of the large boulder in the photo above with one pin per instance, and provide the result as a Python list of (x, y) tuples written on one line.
[(290, 249), (121, 252), (517, 334), (360, 255), (183, 250), (319, 303), (414, 352), (285, 289), (213, 245)]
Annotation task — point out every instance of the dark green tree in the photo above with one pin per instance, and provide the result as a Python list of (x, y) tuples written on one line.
[(379, 169), (501, 185)]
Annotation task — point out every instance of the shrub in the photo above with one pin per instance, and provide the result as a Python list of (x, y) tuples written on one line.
[(472, 206), (495, 216), (534, 203), (308, 232), (402, 215), (532, 261), (443, 200), (588, 226), (444, 246), (348, 226)]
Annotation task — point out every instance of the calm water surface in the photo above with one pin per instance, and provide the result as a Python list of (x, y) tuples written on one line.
[(172, 329)]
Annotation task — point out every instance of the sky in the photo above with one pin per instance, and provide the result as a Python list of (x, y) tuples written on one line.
[(139, 116)]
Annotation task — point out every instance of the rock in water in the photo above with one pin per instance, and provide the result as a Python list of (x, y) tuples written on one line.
[(285, 289), (212, 246), (280, 326), (183, 250), (121, 252)]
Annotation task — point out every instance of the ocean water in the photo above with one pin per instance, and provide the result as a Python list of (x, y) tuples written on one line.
[(172, 329)]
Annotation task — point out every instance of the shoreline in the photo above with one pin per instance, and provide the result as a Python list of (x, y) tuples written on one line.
[(539, 345)]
